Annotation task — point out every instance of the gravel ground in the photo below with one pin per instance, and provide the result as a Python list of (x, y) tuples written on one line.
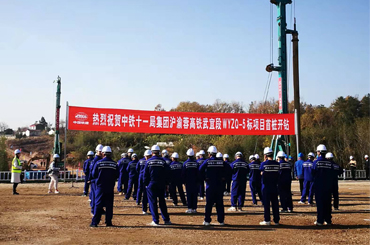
[(35, 217)]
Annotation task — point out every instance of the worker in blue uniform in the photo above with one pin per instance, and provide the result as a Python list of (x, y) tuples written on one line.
[(105, 173), (270, 177), (255, 179), (337, 170), (213, 172), (98, 157), (86, 169), (298, 171), (308, 183), (323, 183), (168, 162), (123, 174), (130, 152), (201, 182), (142, 194), (133, 177), (228, 176), (239, 170), (156, 176), (285, 184), (176, 180), (190, 177)]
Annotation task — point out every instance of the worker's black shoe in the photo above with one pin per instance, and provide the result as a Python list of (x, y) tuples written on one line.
[(92, 225), (109, 225), (15, 193)]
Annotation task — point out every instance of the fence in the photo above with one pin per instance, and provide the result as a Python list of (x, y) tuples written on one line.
[(41, 175)]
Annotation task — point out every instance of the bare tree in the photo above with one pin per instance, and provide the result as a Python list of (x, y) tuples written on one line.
[(3, 126)]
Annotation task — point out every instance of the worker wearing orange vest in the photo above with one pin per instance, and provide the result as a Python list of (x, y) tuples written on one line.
[(16, 171)]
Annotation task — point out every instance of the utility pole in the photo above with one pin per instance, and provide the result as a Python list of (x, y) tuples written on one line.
[(57, 115), (281, 142)]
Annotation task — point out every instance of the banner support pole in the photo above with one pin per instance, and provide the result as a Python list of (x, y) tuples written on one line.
[(65, 142)]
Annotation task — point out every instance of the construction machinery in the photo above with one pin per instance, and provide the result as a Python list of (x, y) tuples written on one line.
[(281, 142)]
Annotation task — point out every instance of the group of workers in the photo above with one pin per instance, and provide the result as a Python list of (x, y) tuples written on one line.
[(157, 175)]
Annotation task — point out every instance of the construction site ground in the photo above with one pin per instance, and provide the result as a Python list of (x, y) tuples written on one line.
[(35, 217)]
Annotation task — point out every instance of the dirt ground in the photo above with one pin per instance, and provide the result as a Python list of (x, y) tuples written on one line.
[(35, 217)]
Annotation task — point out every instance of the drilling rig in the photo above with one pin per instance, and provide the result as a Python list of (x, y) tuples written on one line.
[(281, 142), (57, 144)]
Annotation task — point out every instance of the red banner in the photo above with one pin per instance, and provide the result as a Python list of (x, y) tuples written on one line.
[(162, 122)]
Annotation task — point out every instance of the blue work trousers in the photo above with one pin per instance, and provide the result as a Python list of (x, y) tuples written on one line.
[(255, 187), (103, 200), (180, 189), (238, 193), (132, 184), (214, 195), (86, 186), (285, 193), (122, 180), (335, 194), (191, 194), (270, 195), (308, 190), (323, 205), (201, 189), (92, 196), (155, 191)]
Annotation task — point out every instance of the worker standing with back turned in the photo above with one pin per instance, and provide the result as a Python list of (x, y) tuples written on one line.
[(213, 172), (16, 171), (270, 177), (156, 175), (105, 173)]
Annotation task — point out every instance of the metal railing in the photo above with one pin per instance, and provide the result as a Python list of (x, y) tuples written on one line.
[(40, 175)]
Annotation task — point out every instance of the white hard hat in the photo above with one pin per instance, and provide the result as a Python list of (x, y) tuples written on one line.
[(201, 152), (99, 148), (155, 148), (257, 156), (219, 155), (329, 155), (281, 154), (190, 152), (238, 154), (90, 153), (197, 154), (165, 152), (107, 149), (56, 156), (17, 151), (226, 156), (124, 154), (212, 149), (251, 157), (351, 157), (134, 155), (311, 154), (321, 148), (175, 155), (366, 156), (130, 150), (148, 153), (267, 151)]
